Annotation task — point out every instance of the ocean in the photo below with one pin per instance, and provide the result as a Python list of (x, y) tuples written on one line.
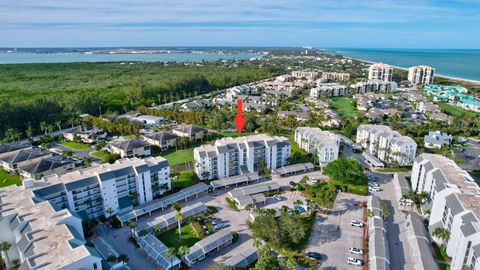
[(25, 57), (456, 63)]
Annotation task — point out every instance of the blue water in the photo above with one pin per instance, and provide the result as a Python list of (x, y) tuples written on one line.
[(457, 63), (18, 58)]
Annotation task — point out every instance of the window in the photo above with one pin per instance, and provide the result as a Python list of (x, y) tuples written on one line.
[(95, 266)]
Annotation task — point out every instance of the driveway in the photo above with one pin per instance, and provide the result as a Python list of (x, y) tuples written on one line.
[(77, 153), (333, 235)]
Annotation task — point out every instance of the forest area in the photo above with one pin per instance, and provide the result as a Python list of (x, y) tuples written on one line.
[(31, 94)]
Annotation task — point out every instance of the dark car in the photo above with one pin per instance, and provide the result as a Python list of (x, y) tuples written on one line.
[(314, 255), (293, 184)]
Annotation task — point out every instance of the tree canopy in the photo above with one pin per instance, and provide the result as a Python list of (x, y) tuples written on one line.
[(345, 170)]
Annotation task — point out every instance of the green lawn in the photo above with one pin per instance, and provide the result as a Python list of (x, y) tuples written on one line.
[(392, 170), (177, 157), (298, 155), (186, 179), (75, 145), (344, 106), (102, 154), (7, 179), (455, 111), (172, 239)]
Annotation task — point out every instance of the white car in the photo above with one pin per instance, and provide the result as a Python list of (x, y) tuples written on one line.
[(373, 185), (356, 223), (357, 251), (354, 261), (220, 226), (312, 180), (372, 189), (278, 197)]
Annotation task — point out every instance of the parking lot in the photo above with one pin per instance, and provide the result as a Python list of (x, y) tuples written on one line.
[(333, 235)]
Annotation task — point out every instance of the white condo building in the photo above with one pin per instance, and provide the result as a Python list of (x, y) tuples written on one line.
[(232, 156), (374, 86), (41, 236), (421, 74), (311, 75), (314, 140), (328, 90), (386, 144), (380, 71), (107, 189), (336, 76), (454, 206)]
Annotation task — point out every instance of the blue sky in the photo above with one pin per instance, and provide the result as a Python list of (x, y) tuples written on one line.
[(319, 23)]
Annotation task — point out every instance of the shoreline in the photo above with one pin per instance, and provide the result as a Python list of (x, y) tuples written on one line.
[(406, 69)]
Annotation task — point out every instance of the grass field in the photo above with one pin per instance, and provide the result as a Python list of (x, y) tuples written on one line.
[(102, 154), (344, 106), (298, 155), (186, 179), (455, 111), (7, 179), (177, 157), (75, 145), (172, 239)]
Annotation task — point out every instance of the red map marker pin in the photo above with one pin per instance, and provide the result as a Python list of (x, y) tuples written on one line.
[(239, 119)]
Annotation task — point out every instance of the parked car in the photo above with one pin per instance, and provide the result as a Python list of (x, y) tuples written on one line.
[(293, 184), (373, 185), (357, 251), (220, 226), (372, 178), (312, 180), (373, 189), (314, 255), (354, 261), (299, 208), (356, 223), (278, 197)]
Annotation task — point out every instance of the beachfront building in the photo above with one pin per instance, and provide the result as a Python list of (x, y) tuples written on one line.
[(386, 144), (374, 86), (310, 75), (469, 104), (42, 236), (335, 76), (421, 74), (316, 141), (232, 156), (454, 206), (380, 71), (328, 90), (436, 139), (108, 188)]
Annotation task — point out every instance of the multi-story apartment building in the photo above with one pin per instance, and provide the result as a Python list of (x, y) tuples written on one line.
[(335, 76), (387, 145), (328, 90), (41, 236), (323, 143), (231, 156), (109, 188), (374, 86), (311, 75), (380, 71), (454, 206), (421, 74)]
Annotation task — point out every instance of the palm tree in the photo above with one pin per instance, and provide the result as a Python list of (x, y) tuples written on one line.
[(29, 130), (123, 258), (59, 125), (112, 259), (156, 229), (177, 207), (43, 127), (183, 250), (132, 224), (442, 234), (291, 263), (4, 247), (170, 253)]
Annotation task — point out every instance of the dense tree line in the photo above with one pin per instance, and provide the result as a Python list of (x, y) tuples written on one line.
[(34, 93)]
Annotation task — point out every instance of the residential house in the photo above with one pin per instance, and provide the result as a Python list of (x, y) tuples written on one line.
[(190, 131), (437, 139), (85, 134), (46, 166), (149, 120), (11, 161), (128, 148), (163, 139)]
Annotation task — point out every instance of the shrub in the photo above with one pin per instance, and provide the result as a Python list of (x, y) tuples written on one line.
[(232, 204)]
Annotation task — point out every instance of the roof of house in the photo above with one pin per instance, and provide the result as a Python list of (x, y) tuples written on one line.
[(24, 155), (189, 129), (162, 136), (45, 164), (9, 147), (129, 144)]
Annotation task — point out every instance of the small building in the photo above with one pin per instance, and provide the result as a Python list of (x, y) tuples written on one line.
[(420, 244), (11, 161), (252, 195), (235, 181), (42, 167), (149, 120), (130, 148), (190, 131), (243, 258), (157, 251), (85, 134), (294, 169), (208, 245), (437, 139), (163, 139)]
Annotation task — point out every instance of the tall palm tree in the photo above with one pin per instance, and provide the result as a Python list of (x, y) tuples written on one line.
[(442, 234), (183, 250), (171, 251), (59, 125), (177, 207), (123, 258), (4, 247), (43, 127), (132, 224)]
